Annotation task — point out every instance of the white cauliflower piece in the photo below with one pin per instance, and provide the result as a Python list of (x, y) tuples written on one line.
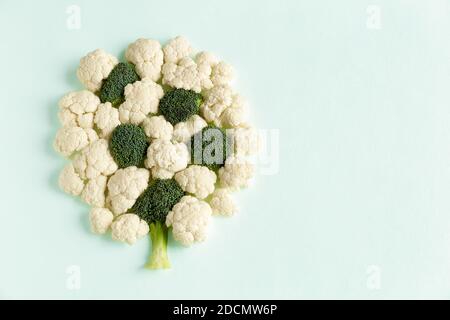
[(221, 203), (106, 119), (189, 220), (177, 49), (94, 191), (222, 73), (216, 101), (205, 58), (157, 127), (94, 68), (205, 63), (197, 180), (125, 186), (129, 228), (141, 98), (71, 139), (147, 56), (69, 181), (224, 108), (187, 74), (95, 160), (235, 115), (76, 109), (183, 131), (165, 158), (246, 141), (236, 173), (100, 219)]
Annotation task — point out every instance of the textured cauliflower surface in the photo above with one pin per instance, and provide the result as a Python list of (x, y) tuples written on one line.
[(95, 160), (165, 158), (125, 186), (76, 109), (141, 98), (222, 203), (189, 220), (70, 181), (197, 180), (183, 131), (94, 191), (128, 228), (236, 173), (94, 68), (157, 127), (148, 182), (72, 139), (106, 119), (147, 56), (100, 219)]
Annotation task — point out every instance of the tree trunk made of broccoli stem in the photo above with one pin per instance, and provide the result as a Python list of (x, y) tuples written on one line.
[(158, 258)]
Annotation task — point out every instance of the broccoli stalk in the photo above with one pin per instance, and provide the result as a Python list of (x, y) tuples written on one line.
[(158, 236), (153, 205)]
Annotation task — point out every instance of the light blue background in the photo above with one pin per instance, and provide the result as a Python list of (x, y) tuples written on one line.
[(364, 179)]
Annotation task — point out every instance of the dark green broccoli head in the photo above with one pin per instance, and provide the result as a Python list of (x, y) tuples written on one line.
[(113, 87), (128, 145), (210, 147), (179, 104), (157, 200)]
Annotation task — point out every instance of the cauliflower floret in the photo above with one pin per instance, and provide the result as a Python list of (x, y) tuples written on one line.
[(221, 203), (141, 98), (197, 180), (246, 141), (165, 158), (71, 139), (236, 173), (177, 49), (129, 228), (223, 108), (235, 115), (147, 56), (206, 59), (95, 160), (94, 191), (189, 220), (100, 219), (183, 131), (69, 181), (222, 74), (216, 101), (188, 74), (157, 127), (106, 119), (76, 109), (205, 63), (125, 186), (94, 68)]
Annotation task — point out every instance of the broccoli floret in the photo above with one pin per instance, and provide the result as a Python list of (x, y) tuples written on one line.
[(210, 147), (157, 200), (113, 87), (153, 205), (128, 145), (179, 104)]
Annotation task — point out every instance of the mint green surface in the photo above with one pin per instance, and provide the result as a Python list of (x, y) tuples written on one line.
[(364, 172)]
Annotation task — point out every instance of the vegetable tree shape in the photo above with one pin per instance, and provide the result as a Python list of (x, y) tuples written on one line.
[(156, 143)]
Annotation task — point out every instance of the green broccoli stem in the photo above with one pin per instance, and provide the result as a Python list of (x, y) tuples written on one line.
[(158, 258)]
